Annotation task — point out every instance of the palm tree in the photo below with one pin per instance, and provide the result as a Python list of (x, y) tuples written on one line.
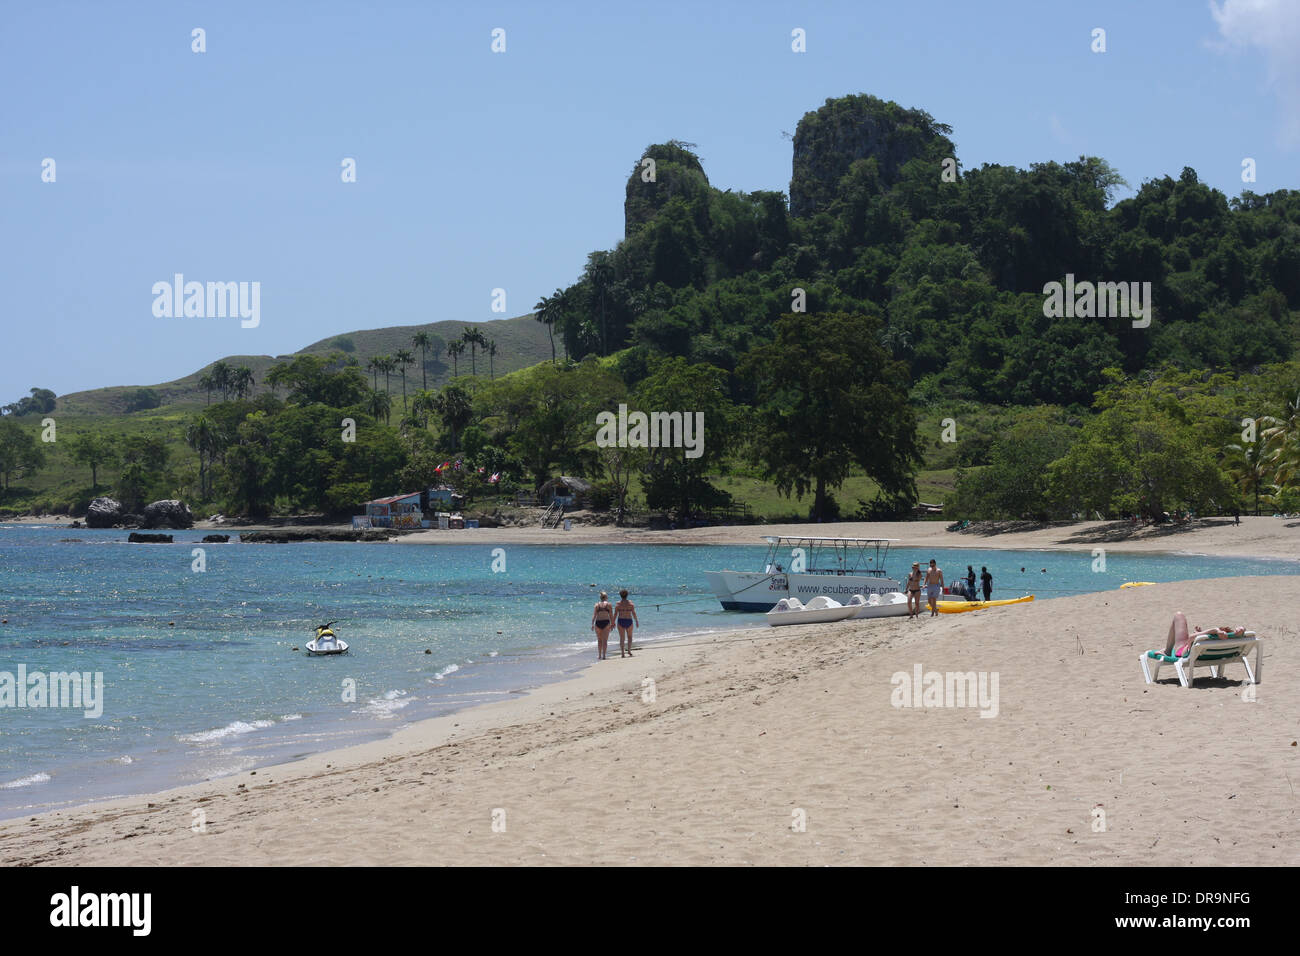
[(375, 365), (472, 337), (547, 311), (379, 405), (454, 349), (202, 435), (404, 358), (241, 381), (1249, 468), (422, 403), (422, 342), (208, 384), (454, 408), (1281, 440), (223, 375), (387, 365), (600, 271), (491, 349)]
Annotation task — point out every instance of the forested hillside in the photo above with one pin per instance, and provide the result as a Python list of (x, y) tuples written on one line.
[(886, 330)]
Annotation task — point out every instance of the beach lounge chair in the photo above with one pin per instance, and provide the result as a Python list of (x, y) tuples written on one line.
[(1208, 650)]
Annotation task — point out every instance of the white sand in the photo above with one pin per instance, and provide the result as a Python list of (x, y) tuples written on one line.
[(1263, 537), (748, 728)]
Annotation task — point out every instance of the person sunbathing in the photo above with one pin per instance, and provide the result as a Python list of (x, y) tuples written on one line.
[(1180, 636)]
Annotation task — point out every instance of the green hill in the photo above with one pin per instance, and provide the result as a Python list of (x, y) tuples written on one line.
[(520, 341)]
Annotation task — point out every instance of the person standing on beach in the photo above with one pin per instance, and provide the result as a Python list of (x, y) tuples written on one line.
[(933, 587), (914, 590), (986, 580), (602, 618), (970, 583), (625, 612)]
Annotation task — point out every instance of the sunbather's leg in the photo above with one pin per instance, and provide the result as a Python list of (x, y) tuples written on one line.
[(1177, 633)]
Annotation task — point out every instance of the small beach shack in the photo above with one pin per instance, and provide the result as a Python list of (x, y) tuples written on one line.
[(564, 489), (397, 511), (440, 498)]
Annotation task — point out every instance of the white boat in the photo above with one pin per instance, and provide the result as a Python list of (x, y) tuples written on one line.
[(804, 568), (820, 610), (326, 642), (893, 604)]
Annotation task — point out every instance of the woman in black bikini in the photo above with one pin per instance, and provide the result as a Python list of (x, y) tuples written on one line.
[(914, 590), (601, 619), (626, 612)]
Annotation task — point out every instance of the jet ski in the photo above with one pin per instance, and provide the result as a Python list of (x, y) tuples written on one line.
[(326, 642)]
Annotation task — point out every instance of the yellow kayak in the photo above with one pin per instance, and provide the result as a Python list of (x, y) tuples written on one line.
[(957, 607), (1136, 584)]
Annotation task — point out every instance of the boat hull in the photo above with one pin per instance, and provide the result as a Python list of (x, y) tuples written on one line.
[(960, 607), (758, 591), (326, 648), (882, 610)]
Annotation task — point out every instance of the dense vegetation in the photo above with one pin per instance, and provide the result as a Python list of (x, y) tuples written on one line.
[(890, 321)]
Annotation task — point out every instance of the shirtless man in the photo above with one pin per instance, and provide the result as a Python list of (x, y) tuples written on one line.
[(625, 614), (602, 618), (913, 588), (933, 587)]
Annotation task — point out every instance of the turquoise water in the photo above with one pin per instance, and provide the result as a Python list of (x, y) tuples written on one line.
[(200, 677)]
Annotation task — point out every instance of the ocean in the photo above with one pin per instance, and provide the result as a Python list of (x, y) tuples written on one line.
[(200, 676)]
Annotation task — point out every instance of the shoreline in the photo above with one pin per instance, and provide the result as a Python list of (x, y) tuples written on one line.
[(1256, 537), (747, 724)]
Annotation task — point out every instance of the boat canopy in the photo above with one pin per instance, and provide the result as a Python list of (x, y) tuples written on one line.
[(828, 555)]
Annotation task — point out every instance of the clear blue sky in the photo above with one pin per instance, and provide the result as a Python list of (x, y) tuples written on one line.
[(479, 170)]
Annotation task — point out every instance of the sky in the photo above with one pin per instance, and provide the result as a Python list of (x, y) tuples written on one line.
[(478, 170)]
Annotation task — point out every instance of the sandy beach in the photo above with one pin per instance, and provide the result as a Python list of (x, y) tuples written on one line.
[(784, 746), (1254, 537)]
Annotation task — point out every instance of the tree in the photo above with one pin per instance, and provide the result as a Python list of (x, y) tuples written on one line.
[(1249, 467), (94, 449), (241, 382), (1145, 451), (491, 349), (20, 453), (455, 349), (1281, 443), (379, 405), (219, 376), (140, 399), (834, 399), (1014, 484), (675, 475), (454, 407), (203, 436), (40, 401), (423, 342), (375, 365), (547, 311), (315, 379), (404, 360), (473, 337), (620, 465)]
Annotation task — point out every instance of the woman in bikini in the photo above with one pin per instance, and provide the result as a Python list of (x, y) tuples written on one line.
[(601, 619), (914, 590), (625, 612)]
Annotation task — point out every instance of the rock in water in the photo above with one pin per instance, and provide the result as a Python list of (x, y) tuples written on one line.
[(168, 514), (136, 538), (103, 513), (216, 538)]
